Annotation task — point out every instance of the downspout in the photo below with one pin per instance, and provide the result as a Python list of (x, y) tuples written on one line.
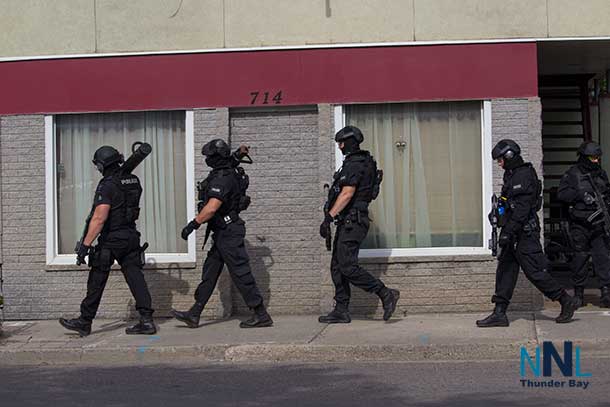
[(1, 234)]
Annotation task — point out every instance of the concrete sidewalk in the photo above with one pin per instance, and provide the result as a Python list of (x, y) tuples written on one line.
[(303, 339)]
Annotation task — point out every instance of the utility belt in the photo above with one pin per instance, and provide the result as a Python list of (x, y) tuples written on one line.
[(354, 215), (222, 221), (101, 255), (531, 226)]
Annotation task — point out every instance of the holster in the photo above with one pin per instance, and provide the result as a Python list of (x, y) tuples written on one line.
[(101, 258), (143, 254)]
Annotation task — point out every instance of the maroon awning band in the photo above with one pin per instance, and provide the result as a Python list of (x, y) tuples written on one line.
[(269, 78)]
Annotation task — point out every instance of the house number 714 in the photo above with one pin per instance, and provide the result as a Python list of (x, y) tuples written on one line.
[(264, 98)]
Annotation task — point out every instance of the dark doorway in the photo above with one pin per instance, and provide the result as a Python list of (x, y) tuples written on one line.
[(573, 88)]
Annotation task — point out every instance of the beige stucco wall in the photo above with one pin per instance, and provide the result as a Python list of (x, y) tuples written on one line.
[(40, 27)]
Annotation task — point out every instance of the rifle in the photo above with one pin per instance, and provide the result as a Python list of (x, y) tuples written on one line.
[(82, 238), (493, 219), (326, 210), (139, 151), (602, 208)]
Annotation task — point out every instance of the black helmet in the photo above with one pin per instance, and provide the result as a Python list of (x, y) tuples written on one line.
[(506, 149), (216, 146), (590, 148), (347, 132), (105, 156)]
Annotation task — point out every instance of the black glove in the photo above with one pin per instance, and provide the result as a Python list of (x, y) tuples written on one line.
[(188, 229), (83, 251), (505, 239), (325, 226)]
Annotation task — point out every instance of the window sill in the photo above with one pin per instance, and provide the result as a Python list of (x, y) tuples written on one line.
[(427, 259), (148, 266)]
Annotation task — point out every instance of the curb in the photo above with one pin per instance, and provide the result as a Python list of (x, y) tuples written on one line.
[(260, 353)]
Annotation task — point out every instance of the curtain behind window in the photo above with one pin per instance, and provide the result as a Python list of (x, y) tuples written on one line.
[(431, 157), (162, 174)]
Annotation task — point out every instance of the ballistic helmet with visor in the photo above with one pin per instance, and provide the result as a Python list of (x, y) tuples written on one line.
[(349, 132), (105, 156), (506, 149), (216, 146), (590, 149)]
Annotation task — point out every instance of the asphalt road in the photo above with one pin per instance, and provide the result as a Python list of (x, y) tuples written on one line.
[(354, 384)]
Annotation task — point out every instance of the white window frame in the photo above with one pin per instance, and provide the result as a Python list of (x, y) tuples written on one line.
[(486, 170), (52, 249)]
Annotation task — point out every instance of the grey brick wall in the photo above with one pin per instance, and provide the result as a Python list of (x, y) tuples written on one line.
[(23, 209), (520, 120), (33, 290), (294, 156), (282, 221)]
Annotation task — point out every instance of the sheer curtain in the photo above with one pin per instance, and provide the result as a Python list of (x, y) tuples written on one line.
[(431, 157), (162, 174)]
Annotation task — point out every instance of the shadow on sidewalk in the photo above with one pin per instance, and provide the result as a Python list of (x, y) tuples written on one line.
[(261, 261)]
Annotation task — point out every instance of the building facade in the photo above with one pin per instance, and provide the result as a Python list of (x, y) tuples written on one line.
[(433, 85)]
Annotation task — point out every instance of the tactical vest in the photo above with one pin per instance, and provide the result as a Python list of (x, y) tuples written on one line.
[(125, 214), (579, 210), (505, 205), (369, 186), (237, 202), (584, 183)]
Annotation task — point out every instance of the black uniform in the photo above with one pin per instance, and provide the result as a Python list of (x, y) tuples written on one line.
[(576, 190), (520, 236), (358, 170), (120, 241), (228, 233)]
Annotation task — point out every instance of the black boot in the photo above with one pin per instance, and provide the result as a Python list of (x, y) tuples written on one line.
[(604, 299), (146, 326), (496, 318), (190, 317), (389, 300), (260, 319), (569, 304), (80, 325), (579, 295), (336, 316)]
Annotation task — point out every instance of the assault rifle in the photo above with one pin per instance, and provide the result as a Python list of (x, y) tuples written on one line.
[(326, 210), (493, 219), (602, 208), (139, 151)]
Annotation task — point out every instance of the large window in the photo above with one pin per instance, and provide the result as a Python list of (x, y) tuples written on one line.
[(434, 181), (165, 202)]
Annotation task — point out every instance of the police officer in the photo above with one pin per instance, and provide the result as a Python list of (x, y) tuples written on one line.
[(520, 238), (221, 194), (587, 234), (115, 210), (354, 183)]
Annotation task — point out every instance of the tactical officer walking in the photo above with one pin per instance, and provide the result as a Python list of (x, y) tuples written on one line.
[(520, 238), (355, 185), (222, 197), (113, 217), (579, 188)]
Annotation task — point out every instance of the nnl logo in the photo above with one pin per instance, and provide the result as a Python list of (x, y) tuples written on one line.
[(568, 366)]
